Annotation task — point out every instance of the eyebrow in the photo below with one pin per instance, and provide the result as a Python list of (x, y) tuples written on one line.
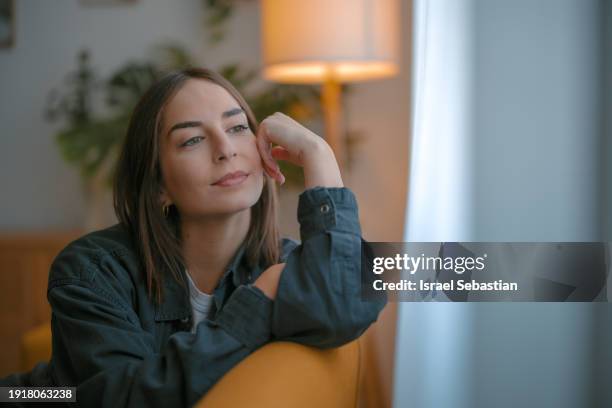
[(196, 123)]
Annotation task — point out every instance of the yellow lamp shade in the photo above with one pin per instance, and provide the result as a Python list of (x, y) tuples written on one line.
[(308, 41)]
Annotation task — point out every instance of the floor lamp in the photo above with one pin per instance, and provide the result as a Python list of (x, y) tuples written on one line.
[(330, 42)]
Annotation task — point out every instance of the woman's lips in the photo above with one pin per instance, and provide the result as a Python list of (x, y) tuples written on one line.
[(232, 179)]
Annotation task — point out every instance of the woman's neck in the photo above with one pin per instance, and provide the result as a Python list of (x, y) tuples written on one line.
[(209, 245)]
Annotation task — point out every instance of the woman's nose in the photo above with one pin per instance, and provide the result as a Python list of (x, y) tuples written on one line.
[(224, 148)]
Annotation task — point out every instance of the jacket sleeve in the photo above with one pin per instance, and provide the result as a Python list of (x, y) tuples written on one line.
[(100, 347), (319, 302)]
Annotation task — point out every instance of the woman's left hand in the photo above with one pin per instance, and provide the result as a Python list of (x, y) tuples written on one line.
[(298, 145)]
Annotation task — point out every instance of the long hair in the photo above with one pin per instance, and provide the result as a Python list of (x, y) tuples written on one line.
[(138, 180)]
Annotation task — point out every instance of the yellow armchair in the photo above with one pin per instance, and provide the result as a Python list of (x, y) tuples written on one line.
[(36, 346), (290, 375), (280, 374)]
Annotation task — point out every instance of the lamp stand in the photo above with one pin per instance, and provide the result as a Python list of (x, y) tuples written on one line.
[(331, 100)]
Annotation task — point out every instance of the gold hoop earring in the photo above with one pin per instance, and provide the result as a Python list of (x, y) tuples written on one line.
[(165, 211)]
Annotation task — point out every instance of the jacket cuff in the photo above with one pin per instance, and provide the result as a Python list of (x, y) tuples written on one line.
[(323, 208), (247, 316)]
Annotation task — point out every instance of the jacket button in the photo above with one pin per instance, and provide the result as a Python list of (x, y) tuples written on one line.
[(324, 208), (185, 324)]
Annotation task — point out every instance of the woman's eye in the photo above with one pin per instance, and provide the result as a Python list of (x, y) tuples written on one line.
[(192, 141), (238, 128)]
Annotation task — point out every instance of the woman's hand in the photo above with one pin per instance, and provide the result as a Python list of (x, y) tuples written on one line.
[(267, 282), (299, 146)]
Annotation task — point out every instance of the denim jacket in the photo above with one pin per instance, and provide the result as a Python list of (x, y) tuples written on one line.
[(121, 349)]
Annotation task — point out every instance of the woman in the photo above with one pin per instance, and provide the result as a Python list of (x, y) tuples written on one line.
[(154, 310)]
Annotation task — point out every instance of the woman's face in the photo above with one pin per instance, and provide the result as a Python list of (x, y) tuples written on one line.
[(205, 137)]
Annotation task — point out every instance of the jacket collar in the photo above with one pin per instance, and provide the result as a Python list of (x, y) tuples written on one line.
[(176, 304)]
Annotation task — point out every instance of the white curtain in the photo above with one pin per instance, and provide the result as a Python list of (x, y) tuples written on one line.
[(432, 339)]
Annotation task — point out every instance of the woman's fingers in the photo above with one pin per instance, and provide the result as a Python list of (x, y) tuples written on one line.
[(298, 145), (275, 172), (264, 147), (295, 144), (278, 128), (265, 151), (270, 172), (281, 178), (282, 130), (280, 153)]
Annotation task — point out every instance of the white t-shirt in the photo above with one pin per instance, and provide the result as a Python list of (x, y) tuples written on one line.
[(200, 303)]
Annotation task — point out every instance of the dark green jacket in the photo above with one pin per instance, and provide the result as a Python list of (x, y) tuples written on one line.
[(120, 349)]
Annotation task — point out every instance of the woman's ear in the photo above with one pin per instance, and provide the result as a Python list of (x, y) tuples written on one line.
[(164, 197)]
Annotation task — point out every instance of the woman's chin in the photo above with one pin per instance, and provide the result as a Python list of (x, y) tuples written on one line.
[(234, 203)]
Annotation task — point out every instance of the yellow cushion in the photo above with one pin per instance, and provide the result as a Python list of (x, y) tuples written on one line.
[(283, 374), (36, 346)]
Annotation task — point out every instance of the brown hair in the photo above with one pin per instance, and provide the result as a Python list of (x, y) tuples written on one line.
[(137, 186)]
